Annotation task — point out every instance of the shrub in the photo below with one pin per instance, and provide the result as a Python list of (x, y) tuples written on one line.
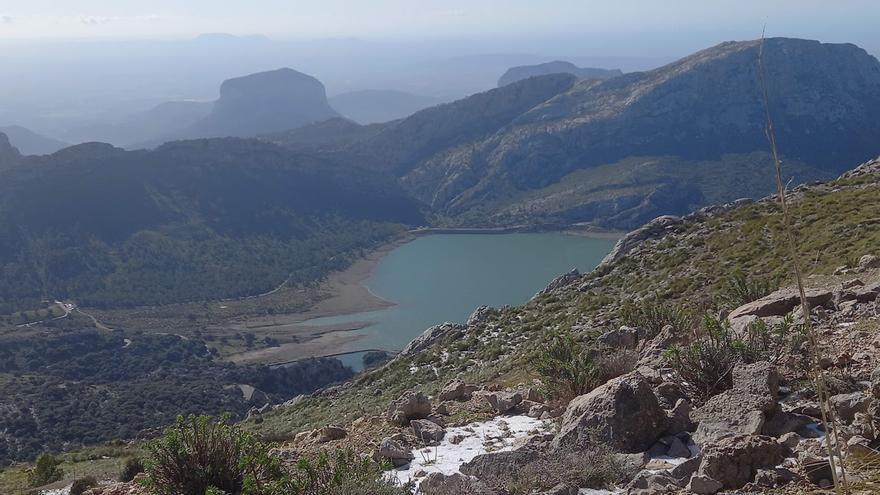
[(616, 363), (741, 289), (340, 473), (707, 362), (652, 316), (81, 485), (199, 453), (47, 470), (133, 466), (566, 367)]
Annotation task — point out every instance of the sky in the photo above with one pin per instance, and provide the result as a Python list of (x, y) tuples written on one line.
[(839, 20)]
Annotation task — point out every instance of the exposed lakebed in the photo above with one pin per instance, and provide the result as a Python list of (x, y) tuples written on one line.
[(444, 277)]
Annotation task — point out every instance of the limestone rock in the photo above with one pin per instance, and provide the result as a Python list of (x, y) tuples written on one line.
[(427, 431), (456, 390), (503, 402), (648, 482), (482, 314), (622, 338), (500, 464), (411, 405), (847, 405), (759, 378), (780, 303), (734, 461), (703, 485), (868, 262), (329, 433), (430, 336), (623, 413), (732, 413), (395, 451), (561, 281), (655, 228)]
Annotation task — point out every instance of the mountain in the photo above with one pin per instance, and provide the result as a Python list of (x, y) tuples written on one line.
[(163, 119), (9, 154), (30, 143), (519, 73), (619, 152), (373, 106), (109, 227), (263, 103)]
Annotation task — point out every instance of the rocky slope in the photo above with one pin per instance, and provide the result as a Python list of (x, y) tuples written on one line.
[(374, 106), (29, 142), (759, 430), (521, 72)]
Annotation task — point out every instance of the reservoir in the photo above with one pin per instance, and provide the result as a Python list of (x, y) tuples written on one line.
[(444, 277)]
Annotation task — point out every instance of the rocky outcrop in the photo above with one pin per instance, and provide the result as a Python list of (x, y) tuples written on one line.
[(503, 402), (561, 281), (500, 464), (8, 153), (395, 452), (761, 378), (456, 390), (623, 414), (732, 413), (427, 431), (781, 302), (521, 72), (410, 406), (652, 230), (430, 336)]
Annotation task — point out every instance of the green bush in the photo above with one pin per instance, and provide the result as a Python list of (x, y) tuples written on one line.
[(81, 485), (47, 470), (708, 361), (133, 466), (651, 316), (199, 453), (566, 367), (741, 289)]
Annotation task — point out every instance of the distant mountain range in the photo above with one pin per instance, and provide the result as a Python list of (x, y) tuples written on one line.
[(515, 74), (374, 106), (29, 142), (621, 151)]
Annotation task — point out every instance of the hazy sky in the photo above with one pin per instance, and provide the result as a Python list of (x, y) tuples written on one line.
[(839, 20)]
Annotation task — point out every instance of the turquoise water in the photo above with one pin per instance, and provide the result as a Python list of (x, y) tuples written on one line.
[(444, 277)]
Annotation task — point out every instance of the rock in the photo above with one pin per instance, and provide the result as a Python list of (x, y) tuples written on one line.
[(623, 414), (863, 425), (782, 423), (651, 355), (429, 337), (533, 395), (500, 464), (456, 390), (686, 469), (859, 448), (868, 262), (427, 431), (847, 405), (329, 433), (771, 478), (703, 485), (678, 449), (561, 281), (442, 484), (875, 383), (482, 314), (538, 410), (411, 405), (679, 418), (622, 338), (561, 489), (731, 413), (395, 451), (734, 461), (759, 378), (650, 483), (788, 442), (503, 402), (781, 302)]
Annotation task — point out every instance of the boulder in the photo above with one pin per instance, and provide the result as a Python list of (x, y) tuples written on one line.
[(395, 451), (868, 262), (781, 302), (503, 402), (655, 228), (649, 482), (456, 390), (679, 418), (703, 485), (429, 337), (784, 422), (731, 413), (771, 478), (759, 378), (427, 431), (410, 406), (818, 471), (858, 447), (847, 405), (623, 414), (734, 461), (669, 393), (683, 472), (622, 338), (875, 383), (651, 355)]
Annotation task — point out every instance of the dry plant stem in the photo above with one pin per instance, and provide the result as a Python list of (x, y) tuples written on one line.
[(832, 437)]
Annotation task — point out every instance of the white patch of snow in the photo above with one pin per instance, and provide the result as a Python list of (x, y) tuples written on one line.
[(58, 491), (846, 324), (127, 342), (496, 435), (413, 370), (593, 491)]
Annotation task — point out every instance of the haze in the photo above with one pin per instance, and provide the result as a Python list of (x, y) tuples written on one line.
[(67, 65)]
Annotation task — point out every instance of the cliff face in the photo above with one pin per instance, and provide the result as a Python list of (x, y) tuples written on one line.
[(8, 153)]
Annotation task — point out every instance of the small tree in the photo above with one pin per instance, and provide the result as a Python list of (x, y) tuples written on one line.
[(47, 470), (133, 466), (566, 367)]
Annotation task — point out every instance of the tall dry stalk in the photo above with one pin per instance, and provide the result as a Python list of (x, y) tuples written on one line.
[(832, 437)]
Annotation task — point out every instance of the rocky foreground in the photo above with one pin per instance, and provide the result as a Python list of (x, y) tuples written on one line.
[(464, 410)]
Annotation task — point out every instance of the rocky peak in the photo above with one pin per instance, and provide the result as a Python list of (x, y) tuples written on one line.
[(8, 153)]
